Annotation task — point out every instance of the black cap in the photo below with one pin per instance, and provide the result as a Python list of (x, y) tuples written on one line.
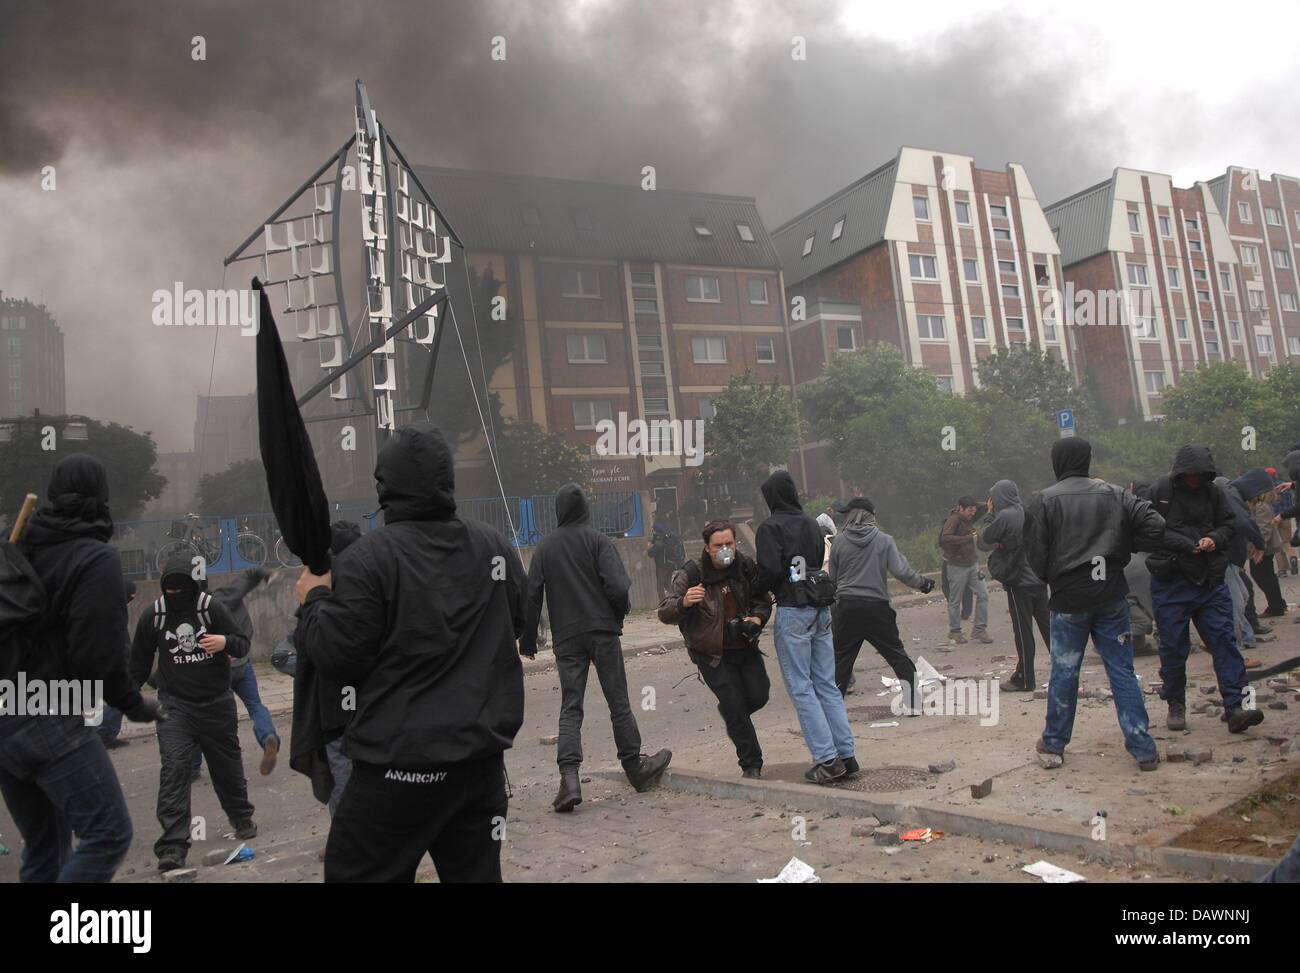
[(857, 503)]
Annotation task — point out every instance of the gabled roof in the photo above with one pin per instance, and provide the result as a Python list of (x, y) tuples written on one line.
[(1082, 222), (497, 212), (865, 207)]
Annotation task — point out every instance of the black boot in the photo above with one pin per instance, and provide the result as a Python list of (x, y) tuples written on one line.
[(644, 772), (570, 794)]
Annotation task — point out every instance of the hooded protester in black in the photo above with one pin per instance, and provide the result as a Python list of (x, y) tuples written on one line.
[(422, 621), (66, 543), (1194, 507), (786, 534), (1003, 536), (1071, 456), (578, 572), (1239, 493)]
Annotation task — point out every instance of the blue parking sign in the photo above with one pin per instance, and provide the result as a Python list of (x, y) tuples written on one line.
[(1065, 422)]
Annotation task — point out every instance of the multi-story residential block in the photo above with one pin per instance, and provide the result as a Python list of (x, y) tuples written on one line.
[(225, 432), (31, 360), (930, 253), (1263, 220), (623, 302), (1153, 285)]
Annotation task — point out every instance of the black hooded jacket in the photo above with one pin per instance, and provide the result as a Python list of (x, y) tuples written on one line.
[(1245, 532), (421, 621), (1192, 514), (788, 533), (580, 574), (66, 543), (185, 670), (1080, 532)]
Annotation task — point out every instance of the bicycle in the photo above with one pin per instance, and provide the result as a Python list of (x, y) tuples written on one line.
[(190, 539), (285, 556)]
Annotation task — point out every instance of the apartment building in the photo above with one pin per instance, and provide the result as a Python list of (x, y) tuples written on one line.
[(1154, 287), (31, 360)]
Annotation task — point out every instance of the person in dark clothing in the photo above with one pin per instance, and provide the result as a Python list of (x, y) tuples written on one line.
[(1263, 570), (1002, 534), (863, 557), (666, 550), (579, 574), (194, 637), (1188, 586), (1246, 537), (110, 728), (721, 609), (417, 623), (1079, 534), (790, 554), (55, 776), (962, 573)]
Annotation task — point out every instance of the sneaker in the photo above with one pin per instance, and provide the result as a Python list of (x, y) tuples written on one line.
[(959, 639), (1049, 759), (169, 861), (1265, 636), (1151, 764), (752, 773), (851, 768), (270, 751), (1241, 720), (1177, 715), (982, 637), (246, 830), (825, 773)]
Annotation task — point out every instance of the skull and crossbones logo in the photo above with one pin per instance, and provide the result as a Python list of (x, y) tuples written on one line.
[(186, 638)]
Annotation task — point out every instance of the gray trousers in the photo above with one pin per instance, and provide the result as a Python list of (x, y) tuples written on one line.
[(340, 770), (1237, 588), (573, 659), (960, 578)]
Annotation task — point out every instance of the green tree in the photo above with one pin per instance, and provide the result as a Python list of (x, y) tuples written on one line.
[(534, 461), (1028, 375), (754, 428), (129, 457), (239, 489)]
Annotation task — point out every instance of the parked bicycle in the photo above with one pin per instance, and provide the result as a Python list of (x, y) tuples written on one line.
[(191, 538)]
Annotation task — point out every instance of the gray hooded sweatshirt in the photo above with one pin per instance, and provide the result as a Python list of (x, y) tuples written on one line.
[(1003, 535), (862, 558)]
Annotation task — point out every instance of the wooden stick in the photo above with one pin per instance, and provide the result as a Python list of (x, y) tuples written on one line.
[(29, 504)]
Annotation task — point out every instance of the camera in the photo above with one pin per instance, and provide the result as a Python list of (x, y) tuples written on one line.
[(741, 628)]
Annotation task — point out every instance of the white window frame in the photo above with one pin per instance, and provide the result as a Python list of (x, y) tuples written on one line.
[(808, 244), (1274, 211), (926, 326), (586, 339), (840, 331), (1194, 246), (1293, 346), (702, 299), (1225, 281), (837, 230), (1281, 259), (1001, 234), (970, 268), (706, 342), (917, 262), (1011, 290), (1003, 270), (1174, 277), (1181, 330), (589, 422), (994, 211), (1011, 327), (983, 334), (771, 351), (1288, 301), (1159, 383), (957, 207), (580, 276), (1134, 221), (745, 232), (944, 382), (1243, 212), (1138, 270), (749, 287), (1250, 255), (924, 205), (1144, 326), (1264, 344), (1166, 226)]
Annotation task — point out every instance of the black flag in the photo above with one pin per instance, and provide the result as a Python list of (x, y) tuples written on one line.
[(297, 495)]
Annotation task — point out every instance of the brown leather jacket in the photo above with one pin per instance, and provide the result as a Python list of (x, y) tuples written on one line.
[(704, 624)]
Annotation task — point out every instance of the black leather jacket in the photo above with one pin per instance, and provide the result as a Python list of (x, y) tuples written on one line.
[(1079, 518)]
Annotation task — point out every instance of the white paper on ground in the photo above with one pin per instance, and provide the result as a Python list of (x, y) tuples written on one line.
[(794, 873), (890, 723), (1052, 874), (925, 674)]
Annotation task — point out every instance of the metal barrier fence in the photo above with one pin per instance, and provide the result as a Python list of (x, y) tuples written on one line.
[(253, 540)]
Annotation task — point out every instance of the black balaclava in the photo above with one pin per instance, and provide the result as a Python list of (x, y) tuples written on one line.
[(1071, 457)]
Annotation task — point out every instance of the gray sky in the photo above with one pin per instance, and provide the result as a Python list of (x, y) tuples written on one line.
[(164, 164)]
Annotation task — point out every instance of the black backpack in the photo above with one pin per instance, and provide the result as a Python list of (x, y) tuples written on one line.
[(23, 606)]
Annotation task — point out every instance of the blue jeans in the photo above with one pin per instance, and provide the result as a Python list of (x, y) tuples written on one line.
[(1109, 628), (806, 651), (1288, 869), (244, 682), (1177, 603), (111, 726), (57, 780)]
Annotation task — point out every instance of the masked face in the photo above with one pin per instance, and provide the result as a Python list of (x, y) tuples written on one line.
[(1192, 481), (722, 548)]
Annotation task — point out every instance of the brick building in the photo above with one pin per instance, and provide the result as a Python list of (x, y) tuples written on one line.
[(929, 253), (620, 300), (31, 360), (1154, 265)]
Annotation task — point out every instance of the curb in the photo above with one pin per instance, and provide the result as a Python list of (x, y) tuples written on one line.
[(1201, 864)]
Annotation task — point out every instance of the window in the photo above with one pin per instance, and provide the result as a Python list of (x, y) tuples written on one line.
[(530, 216), (930, 327), (998, 209), (978, 329), (923, 266), (808, 244), (703, 289), (1225, 281), (1134, 222), (588, 412), (765, 350), (1199, 274), (1144, 326), (700, 229), (837, 230), (709, 351), (582, 219), (1175, 278), (1155, 382), (1137, 275), (1041, 275), (1001, 234), (1243, 213), (643, 278), (963, 212), (1272, 216), (745, 232), (1166, 227), (1180, 327), (650, 354), (581, 283), (1281, 260), (1049, 331), (846, 338), (1194, 246), (707, 411), (1193, 224), (757, 290), (645, 305), (656, 406), (1293, 345), (586, 348), (1264, 344), (1006, 266), (1234, 330), (921, 208), (944, 382), (1011, 290), (15, 368), (1297, 219), (1288, 301), (1249, 255), (971, 269), (1016, 324), (1208, 324), (1203, 297), (1257, 299)]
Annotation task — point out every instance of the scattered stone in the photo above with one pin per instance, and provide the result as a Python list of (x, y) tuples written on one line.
[(1201, 707), (1040, 694), (886, 835), (1213, 711), (1207, 690), (1202, 756), (549, 741), (999, 658), (1175, 755), (217, 857), (1277, 704), (988, 859), (181, 876), (983, 789), (866, 829), (943, 768), (1238, 760)]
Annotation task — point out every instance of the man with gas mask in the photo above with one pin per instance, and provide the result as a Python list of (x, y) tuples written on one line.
[(194, 637), (721, 608)]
